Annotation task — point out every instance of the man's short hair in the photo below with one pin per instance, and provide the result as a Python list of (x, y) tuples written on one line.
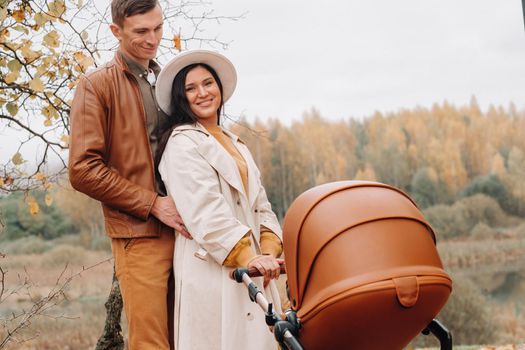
[(120, 9)]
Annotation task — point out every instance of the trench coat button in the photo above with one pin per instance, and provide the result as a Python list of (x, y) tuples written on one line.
[(249, 316), (238, 202), (256, 210)]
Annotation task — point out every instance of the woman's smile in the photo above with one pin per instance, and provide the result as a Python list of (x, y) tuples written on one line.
[(203, 94)]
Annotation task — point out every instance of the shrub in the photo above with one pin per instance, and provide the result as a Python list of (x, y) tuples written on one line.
[(101, 243), (468, 315), (491, 186), (86, 240), (49, 223), (482, 231), (62, 255), (425, 188), (26, 245), (460, 218)]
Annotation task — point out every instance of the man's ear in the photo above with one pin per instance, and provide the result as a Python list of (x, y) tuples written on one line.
[(116, 30)]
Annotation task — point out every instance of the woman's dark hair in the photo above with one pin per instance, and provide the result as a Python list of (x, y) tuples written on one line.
[(181, 111)]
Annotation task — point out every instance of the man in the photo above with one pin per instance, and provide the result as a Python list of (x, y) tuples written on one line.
[(114, 118)]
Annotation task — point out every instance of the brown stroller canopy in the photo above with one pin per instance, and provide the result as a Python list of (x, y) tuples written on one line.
[(363, 269)]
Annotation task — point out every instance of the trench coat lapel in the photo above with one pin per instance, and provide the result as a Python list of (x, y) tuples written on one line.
[(211, 150)]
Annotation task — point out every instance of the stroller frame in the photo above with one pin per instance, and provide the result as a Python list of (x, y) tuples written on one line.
[(286, 332)]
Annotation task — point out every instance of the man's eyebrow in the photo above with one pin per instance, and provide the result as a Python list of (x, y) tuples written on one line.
[(138, 29)]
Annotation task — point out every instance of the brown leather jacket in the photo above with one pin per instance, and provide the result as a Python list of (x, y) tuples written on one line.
[(109, 157)]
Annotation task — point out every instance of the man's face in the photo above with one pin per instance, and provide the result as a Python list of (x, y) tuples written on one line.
[(140, 35)]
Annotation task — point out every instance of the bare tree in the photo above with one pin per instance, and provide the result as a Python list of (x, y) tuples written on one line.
[(44, 47)]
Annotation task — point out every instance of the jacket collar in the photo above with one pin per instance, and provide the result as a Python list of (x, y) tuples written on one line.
[(120, 61), (211, 150)]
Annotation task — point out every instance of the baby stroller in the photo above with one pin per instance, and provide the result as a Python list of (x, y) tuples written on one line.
[(363, 271)]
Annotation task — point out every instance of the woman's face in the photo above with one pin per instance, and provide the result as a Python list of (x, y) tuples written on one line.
[(203, 94)]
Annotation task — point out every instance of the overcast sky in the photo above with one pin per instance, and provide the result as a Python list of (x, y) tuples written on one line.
[(351, 58)]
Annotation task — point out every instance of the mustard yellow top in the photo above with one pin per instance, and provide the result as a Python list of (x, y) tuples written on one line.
[(242, 253)]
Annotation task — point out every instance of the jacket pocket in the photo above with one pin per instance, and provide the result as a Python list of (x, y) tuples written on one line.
[(116, 228), (129, 243), (112, 213)]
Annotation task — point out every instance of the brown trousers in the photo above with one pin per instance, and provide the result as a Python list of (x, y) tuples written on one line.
[(143, 267)]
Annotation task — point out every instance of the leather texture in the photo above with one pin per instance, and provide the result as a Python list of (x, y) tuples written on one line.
[(363, 269), (110, 157)]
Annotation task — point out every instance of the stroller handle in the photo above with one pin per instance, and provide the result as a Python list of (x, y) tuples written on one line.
[(285, 332), (253, 272)]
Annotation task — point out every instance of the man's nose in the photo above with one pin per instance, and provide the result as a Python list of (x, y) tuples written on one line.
[(150, 38)]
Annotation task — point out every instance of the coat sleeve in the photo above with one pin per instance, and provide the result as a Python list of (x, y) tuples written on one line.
[(194, 185), (88, 171)]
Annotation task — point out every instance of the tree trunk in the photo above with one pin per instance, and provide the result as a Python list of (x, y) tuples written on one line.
[(112, 338)]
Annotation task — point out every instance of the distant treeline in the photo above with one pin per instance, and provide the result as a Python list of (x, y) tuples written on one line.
[(437, 155), (464, 167)]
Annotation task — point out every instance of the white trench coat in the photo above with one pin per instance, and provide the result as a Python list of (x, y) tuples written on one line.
[(211, 310)]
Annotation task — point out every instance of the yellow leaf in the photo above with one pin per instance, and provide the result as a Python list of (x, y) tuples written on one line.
[(41, 69), (84, 35), (36, 85), (28, 53), (65, 139), (17, 159), (57, 8), (176, 42), (83, 61), (34, 208), (40, 19), (48, 122), (52, 39), (9, 180), (49, 112), (46, 111), (14, 65), (40, 176), (12, 108), (3, 14), (78, 56), (86, 63), (11, 77), (22, 29), (4, 33), (1, 181), (72, 84), (48, 199), (19, 15)]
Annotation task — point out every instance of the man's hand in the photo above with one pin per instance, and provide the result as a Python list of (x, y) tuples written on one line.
[(165, 210)]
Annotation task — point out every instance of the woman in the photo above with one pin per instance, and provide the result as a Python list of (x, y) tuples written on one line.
[(216, 186)]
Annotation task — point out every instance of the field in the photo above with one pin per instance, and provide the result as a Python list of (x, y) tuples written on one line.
[(84, 277), (78, 319)]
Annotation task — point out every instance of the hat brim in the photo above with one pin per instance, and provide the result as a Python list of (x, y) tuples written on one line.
[(222, 66)]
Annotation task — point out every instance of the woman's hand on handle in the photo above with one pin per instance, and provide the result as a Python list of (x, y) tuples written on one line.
[(267, 265)]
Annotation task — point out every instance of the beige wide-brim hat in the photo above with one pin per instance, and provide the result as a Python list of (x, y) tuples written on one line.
[(222, 66)]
